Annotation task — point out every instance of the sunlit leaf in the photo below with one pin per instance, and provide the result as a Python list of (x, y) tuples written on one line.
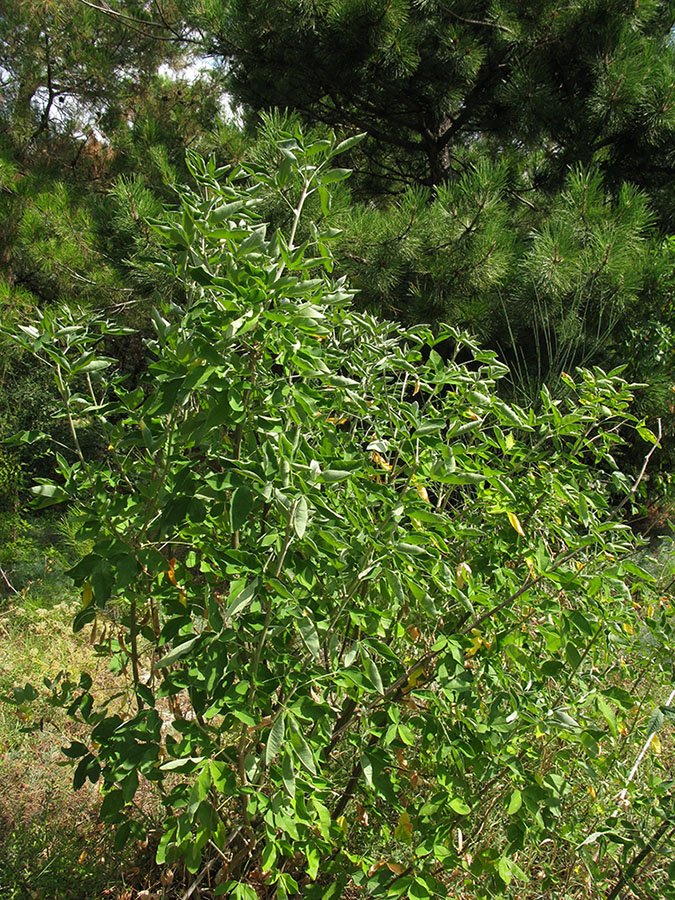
[(515, 524)]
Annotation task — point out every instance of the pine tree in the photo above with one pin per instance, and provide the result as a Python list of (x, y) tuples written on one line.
[(517, 175), (92, 134), (480, 119), (587, 82)]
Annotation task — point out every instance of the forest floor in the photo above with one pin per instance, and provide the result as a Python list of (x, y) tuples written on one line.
[(52, 846)]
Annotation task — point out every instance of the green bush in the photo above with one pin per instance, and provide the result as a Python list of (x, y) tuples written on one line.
[(375, 621)]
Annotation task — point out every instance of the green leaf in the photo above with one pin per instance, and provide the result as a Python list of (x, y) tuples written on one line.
[(303, 752), (49, 494), (178, 652), (242, 600), (288, 773), (300, 517), (113, 803), (309, 635), (465, 478), (75, 750), (367, 768), (269, 856), (647, 434), (418, 890), (96, 365), (244, 892), (324, 199), (313, 860), (504, 870), (274, 739), (349, 142), (565, 719), (608, 715), (240, 507), (621, 696), (508, 414), (515, 802), (332, 475), (334, 175), (372, 672), (184, 764), (26, 437), (655, 721), (459, 806)]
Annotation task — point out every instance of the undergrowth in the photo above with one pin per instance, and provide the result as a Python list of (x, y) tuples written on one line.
[(51, 844)]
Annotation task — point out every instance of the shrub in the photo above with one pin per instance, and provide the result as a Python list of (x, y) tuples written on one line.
[(370, 614)]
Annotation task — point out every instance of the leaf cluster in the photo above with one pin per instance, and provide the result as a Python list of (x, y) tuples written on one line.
[(353, 591)]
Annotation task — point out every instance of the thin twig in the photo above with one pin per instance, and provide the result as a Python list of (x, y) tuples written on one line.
[(629, 872), (198, 880), (6, 580), (641, 474), (645, 747)]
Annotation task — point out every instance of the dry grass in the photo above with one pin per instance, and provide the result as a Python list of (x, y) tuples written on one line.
[(52, 846)]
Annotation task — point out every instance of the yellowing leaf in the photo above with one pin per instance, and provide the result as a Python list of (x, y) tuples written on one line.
[(656, 745), (591, 791), (463, 571), (476, 643), (380, 461), (422, 491), (87, 595), (515, 524), (415, 676), (342, 823), (628, 628), (395, 868), (404, 828), (335, 421), (171, 572)]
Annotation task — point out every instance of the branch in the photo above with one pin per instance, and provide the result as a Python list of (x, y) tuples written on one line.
[(632, 866), (478, 22), (6, 580), (134, 23), (641, 475), (51, 93), (645, 747)]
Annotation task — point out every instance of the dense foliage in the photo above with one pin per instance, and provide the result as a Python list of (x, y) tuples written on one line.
[(517, 176), (374, 620), (515, 179), (346, 475)]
